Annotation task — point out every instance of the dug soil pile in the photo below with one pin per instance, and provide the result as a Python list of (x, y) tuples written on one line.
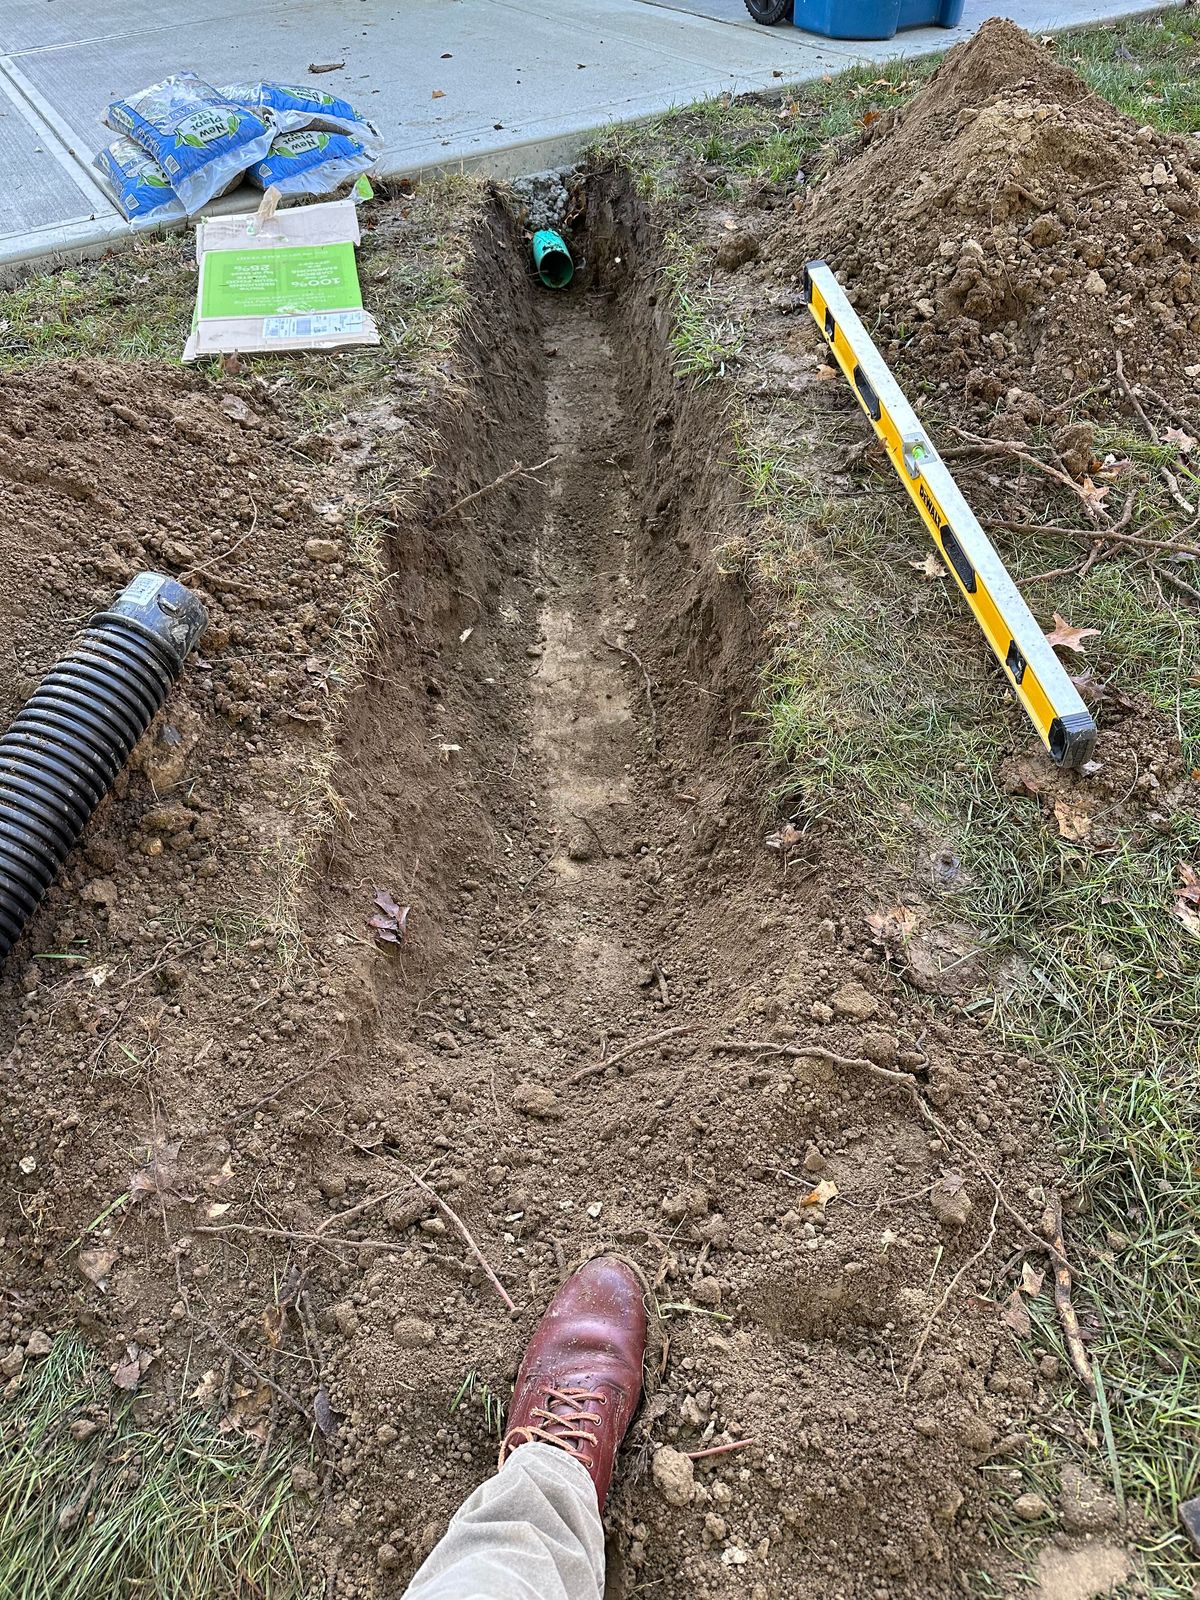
[(1011, 228)]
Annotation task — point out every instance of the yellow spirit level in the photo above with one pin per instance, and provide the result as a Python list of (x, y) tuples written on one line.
[(1051, 700)]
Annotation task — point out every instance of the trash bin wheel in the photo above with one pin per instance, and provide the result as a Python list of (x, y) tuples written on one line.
[(769, 11)]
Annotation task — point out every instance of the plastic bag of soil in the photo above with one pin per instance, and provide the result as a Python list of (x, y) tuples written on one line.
[(140, 184), (294, 109), (202, 141), (311, 163)]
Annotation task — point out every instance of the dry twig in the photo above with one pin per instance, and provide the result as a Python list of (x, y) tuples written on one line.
[(1052, 1231), (1008, 447), (1184, 588), (1172, 483), (600, 845), (244, 1360), (719, 1449), (1127, 390), (466, 1233)]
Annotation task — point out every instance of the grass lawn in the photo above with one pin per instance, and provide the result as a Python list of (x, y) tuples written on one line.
[(95, 1503)]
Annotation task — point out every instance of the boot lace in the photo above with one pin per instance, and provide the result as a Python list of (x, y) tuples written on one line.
[(562, 1420)]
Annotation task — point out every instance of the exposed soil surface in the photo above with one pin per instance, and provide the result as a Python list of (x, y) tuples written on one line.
[(1013, 228), (616, 1017)]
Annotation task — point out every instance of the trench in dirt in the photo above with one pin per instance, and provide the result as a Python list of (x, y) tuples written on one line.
[(553, 766), (551, 760)]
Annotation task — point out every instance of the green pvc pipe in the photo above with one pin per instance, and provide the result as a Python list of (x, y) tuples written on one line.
[(552, 259)]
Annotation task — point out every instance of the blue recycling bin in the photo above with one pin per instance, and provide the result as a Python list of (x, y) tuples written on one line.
[(873, 19)]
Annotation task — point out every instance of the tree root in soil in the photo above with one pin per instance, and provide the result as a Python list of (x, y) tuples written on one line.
[(719, 1449), (519, 470), (597, 1067), (624, 650)]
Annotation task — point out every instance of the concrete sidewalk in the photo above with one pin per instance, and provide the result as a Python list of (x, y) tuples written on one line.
[(523, 83)]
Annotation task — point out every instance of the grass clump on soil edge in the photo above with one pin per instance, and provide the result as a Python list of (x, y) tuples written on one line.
[(95, 1502), (879, 711)]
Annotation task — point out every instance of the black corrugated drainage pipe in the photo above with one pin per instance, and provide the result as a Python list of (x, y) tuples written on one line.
[(73, 735)]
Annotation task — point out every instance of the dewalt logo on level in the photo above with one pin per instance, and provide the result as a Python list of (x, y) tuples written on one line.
[(927, 502), (1035, 673)]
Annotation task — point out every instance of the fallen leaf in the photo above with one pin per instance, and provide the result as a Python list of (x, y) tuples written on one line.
[(231, 364), (1091, 496), (820, 1194), (438, 94), (783, 838), (825, 372), (96, 1265), (222, 1175), (208, 1388), (1179, 438), (730, 223), (894, 926), (1016, 1317), (325, 66), (1032, 1279), (390, 926), (217, 1210), (1187, 899), (1073, 823), (158, 1176), (272, 1321), (248, 1413), (931, 567), (869, 117), (1066, 636), (323, 1413), (127, 1372)]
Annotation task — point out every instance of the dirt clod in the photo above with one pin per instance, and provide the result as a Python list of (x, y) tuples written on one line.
[(950, 1201), (854, 1001), (674, 1476), (536, 1100), (1083, 1506)]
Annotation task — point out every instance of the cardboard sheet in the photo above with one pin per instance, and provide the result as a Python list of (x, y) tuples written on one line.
[(283, 282)]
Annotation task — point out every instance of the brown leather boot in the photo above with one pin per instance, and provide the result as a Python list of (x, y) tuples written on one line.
[(581, 1379)]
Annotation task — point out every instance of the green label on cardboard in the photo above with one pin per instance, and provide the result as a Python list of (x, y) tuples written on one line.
[(288, 280)]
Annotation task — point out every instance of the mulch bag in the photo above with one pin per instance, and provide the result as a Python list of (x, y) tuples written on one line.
[(202, 141), (311, 163), (142, 191), (293, 109)]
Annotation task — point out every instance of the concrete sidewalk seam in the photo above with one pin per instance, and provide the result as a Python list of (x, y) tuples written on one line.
[(37, 113)]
